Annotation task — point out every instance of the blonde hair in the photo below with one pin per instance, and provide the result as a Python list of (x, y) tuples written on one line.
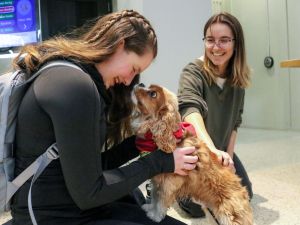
[(237, 67)]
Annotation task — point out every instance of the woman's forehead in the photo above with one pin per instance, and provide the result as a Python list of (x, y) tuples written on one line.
[(219, 29)]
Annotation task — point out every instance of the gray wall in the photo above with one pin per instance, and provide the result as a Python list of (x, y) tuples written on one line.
[(272, 101), (179, 25)]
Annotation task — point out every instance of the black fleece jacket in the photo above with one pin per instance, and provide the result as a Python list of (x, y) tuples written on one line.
[(67, 106)]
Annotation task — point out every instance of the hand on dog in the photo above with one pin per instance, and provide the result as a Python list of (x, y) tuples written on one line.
[(184, 161), (225, 159)]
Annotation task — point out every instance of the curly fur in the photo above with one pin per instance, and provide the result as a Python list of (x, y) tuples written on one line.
[(210, 184)]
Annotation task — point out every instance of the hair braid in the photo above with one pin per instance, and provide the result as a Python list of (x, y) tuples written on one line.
[(93, 43), (134, 17), (142, 21), (110, 22)]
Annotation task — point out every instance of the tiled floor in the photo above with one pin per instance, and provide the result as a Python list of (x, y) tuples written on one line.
[(272, 159)]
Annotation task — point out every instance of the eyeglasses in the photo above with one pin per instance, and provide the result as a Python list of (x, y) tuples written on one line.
[(221, 43)]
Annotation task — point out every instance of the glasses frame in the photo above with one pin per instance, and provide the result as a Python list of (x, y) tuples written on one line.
[(217, 42)]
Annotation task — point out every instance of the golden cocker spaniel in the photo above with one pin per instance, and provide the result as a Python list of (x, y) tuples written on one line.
[(210, 184)]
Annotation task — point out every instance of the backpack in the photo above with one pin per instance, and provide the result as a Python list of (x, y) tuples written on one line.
[(13, 86)]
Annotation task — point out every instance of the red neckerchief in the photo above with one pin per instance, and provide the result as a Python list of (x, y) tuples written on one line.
[(147, 145), (184, 126)]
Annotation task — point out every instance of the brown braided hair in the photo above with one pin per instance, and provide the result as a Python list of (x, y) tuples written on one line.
[(93, 43)]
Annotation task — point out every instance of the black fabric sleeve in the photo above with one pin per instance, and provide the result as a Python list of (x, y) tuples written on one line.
[(121, 154), (70, 99), (190, 91)]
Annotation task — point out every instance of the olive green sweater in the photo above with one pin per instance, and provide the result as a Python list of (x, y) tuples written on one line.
[(221, 109)]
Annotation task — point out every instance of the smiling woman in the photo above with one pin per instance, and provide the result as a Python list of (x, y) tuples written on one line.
[(123, 66), (211, 94), (87, 113), (219, 46)]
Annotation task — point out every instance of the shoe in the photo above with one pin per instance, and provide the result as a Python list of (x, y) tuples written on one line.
[(191, 208)]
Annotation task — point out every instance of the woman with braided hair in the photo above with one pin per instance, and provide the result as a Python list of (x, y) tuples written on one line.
[(86, 112)]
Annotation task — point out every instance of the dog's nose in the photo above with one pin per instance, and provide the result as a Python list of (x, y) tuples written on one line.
[(141, 85)]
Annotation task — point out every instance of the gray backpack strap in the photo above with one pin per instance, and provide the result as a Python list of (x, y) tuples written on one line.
[(31, 170), (42, 161), (53, 64), (39, 165), (35, 170)]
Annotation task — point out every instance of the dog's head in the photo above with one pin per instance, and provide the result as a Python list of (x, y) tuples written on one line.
[(155, 101), (159, 109)]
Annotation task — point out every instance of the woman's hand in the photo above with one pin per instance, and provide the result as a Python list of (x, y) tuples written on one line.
[(183, 160), (224, 158)]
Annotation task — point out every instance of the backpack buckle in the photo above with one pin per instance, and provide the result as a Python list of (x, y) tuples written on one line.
[(52, 152)]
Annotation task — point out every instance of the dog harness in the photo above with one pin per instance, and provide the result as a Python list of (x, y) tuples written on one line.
[(147, 145)]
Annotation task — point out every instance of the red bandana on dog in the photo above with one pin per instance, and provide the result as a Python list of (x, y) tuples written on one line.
[(146, 145)]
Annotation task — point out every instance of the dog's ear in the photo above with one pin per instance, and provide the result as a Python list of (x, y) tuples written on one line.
[(169, 118), (169, 111), (144, 127), (163, 130), (163, 136)]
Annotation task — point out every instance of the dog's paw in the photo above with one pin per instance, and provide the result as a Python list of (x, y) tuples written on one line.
[(155, 215), (147, 207)]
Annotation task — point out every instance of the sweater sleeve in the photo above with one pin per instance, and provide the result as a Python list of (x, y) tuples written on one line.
[(191, 91), (71, 100), (121, 154), (240, 112)]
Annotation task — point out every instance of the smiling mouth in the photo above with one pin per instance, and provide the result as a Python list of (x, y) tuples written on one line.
[(218, 54)]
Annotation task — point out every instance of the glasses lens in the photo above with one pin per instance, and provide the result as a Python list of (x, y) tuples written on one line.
[(209, 42), (221, 43)]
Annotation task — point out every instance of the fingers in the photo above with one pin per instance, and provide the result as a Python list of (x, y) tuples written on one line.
[(189, 166), (224, 158), (227, 160), (186, 150), (190, 158), (232, 168), (219, 154), (183, 160), (220, 158)]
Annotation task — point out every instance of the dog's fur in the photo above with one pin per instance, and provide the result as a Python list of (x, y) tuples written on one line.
[(210, 184)]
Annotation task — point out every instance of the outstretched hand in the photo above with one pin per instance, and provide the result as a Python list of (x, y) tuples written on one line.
[(225, 159), (183, 160)]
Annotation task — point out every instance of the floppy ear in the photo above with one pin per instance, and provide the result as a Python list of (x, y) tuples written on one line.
[(167, 123), (144, 127)]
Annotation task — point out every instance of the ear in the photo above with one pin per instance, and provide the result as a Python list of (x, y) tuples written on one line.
[(163, 129), (144, 127), (163, 136), (169, 113)]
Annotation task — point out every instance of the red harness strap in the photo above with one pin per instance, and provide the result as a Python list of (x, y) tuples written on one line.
[(146, 145), (184, 126)]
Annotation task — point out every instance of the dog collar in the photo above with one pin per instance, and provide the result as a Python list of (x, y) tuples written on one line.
[(184, 126)]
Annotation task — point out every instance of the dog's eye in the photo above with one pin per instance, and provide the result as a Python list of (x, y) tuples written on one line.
[(152, 94)]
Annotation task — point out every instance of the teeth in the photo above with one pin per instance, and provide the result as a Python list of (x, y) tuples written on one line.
[(217, 54), (117, 80)]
